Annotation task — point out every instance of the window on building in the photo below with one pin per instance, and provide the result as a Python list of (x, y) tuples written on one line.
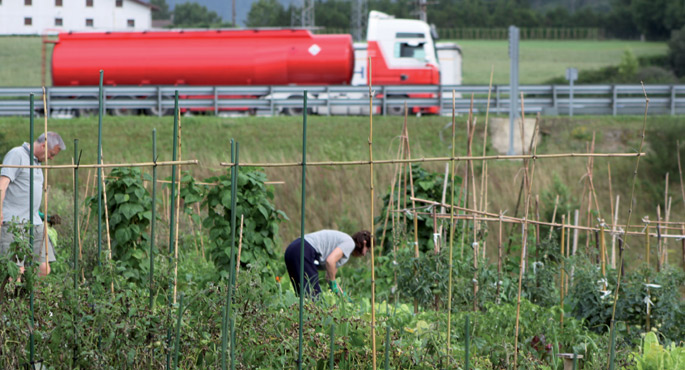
[(89, 22), (89, 3), (28, 21), (131, 23), (27, 2), (120, 3), (58, 2), (58, 22)]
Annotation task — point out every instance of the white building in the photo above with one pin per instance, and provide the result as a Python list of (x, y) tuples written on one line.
[(33, 17)]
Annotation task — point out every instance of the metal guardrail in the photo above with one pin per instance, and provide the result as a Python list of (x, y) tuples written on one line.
[(271, 100)]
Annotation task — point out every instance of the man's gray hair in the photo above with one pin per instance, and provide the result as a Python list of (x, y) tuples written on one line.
[(53, 140)]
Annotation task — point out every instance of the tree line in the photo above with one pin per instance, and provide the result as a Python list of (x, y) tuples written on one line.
[(622, 19)]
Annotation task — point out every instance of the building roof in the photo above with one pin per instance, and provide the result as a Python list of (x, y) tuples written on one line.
[(145, 3)]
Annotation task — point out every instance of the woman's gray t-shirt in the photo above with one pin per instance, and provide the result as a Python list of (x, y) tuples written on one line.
[(325, 241)]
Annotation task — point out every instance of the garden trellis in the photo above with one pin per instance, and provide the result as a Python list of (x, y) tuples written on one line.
[(474, 214)]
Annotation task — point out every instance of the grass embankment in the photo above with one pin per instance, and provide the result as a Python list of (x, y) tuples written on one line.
[(20, 59), (337, 197), (540, 61)]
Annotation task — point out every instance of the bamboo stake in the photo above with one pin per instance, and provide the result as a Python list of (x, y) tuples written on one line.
[(603, 257), (443, 199), (475, 266), (529, 181), (630, 212), (46, 150), (141, 164), (109, 239), (647, 244), (509, 219), (659, 262), (537, 226), (680, 172), (561, 271), (373, 266), (485, 142), (484, 208), (682, 240), (393, 161), (611, 191), (499, 258), (391, 202), (202, 243), (554, 216), (240, 248), (452, 227), (668, 215), (178, 209), (613, 234)]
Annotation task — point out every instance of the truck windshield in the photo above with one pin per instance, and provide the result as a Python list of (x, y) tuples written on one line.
[(410, 50)]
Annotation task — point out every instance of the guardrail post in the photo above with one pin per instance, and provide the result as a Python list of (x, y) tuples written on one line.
[(555, 103), (673, 87), (159, 101), (384, 97), (614, 98), (216, 102), (440, 98), (104, 100), (46, 108), (328, 102), (497, 99), (271, 99)]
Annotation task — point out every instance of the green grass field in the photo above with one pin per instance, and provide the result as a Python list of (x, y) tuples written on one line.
[(543, 60), (20, 59)]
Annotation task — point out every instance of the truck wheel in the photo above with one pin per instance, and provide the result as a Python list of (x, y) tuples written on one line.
[(124, 111), (154, 111), (87, 112), (396, 110), (295, 110)]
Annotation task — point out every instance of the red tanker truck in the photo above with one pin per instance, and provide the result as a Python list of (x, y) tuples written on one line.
[(402, 52)]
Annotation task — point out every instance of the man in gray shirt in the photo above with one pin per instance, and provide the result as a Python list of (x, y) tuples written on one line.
[(324, 250), (15, 193)]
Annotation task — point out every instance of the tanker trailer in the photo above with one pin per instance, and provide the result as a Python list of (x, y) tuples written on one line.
[(203, 58), (402, 52)]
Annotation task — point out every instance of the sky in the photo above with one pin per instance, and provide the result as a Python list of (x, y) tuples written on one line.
[(223, 7)]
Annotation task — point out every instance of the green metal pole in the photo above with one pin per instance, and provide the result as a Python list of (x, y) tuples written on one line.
[(234, 197), (612, 344), (100, 114), (575, 360), (154, 217), (302, 212), (387, 347), (232, 342), (75, 249), (225, 336), (178, 331), (172, 216), (331, 357), (31, 237), (466, 352)]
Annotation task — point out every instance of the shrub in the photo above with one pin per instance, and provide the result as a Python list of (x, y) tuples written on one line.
[(261, 219), (129, 208)]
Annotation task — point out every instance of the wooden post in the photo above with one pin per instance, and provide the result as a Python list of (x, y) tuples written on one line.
[(499, 257)]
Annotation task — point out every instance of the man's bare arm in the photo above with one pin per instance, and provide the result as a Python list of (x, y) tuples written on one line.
[(4, 183)]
